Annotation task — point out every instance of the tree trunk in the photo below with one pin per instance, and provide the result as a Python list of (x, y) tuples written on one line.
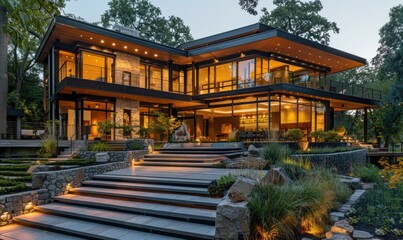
[(3, 74)]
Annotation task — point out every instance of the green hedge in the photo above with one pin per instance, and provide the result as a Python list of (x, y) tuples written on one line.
[(81, 162)]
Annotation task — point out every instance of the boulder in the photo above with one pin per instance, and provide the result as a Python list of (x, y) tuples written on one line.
[(361, 235), (337, 236), (38, 168), (102, 157), (342, 227), (277, 176), (181, 134), (241, 189), (233, 220), (254, 151)]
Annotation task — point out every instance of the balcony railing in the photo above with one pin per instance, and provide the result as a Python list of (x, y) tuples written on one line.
[(132, 78), (300, 80)]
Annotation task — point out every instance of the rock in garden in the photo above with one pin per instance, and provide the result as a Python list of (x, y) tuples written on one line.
[(241, 189), (38, 168), (277, 176), (102, 157), (254, 151), (361, 235), (337, 236), (342, 227), (181, 134)]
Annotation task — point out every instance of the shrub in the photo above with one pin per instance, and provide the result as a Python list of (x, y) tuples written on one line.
[(295, 135), (105, 127), (19, 167), (368, 173), (220, 187), (275, 152), (219, 165), (340, 129), (392, 172), (17, 187), (319, 135), (99, 147), (48, 147), (294, 169), (332, 136)]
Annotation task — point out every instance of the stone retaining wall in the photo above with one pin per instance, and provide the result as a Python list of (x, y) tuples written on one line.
[(114, 156), (12, 205), (59, 182), (341, 161)]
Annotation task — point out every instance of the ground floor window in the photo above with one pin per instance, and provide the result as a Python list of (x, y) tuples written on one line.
[(256, 118)]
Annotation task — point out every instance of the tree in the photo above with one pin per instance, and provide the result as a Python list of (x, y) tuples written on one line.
[(295, 17), (146, 18), (391, 36), (20, 21), (249, 6)]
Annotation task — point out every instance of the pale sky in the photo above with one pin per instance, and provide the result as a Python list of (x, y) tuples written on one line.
[(359, 20)]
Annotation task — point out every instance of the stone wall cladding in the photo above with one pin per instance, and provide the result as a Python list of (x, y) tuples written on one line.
[(127, 63), (115, 156), (342, 161), (12, 205), (134, 107)]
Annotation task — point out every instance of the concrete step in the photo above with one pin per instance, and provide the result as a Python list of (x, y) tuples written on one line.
[(132, 221), (155, 180), (84, 229), (192, 156), (178, 199), (18, 231), (206, 216), (177, 164), (147, 187), (182, 159), (205, 149), (199, 152)]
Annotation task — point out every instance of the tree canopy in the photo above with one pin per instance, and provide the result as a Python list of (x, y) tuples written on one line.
[(147, 18)]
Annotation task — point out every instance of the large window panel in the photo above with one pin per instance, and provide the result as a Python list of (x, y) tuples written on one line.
[(246, 73), (155, 78), (97, 67), (203, 80)]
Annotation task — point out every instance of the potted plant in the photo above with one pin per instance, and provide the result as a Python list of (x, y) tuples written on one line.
[(294, 135), (105, 128)]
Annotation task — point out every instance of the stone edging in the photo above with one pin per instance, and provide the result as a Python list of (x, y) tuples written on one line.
[(15, 204), (344, 208)]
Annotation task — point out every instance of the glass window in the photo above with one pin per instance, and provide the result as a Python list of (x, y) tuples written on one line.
[(97, 67), (225, 77), (203, 80), (165, 80), (212, 79), (246, 74), (143, 76), (189, 82), (67, 65)]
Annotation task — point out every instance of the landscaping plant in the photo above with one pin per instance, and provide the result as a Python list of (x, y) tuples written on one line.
[(99, 147), (220, 187), (232, 135), (275, 152), (368, 173), (294, 169), (105, 128), (295, 135)]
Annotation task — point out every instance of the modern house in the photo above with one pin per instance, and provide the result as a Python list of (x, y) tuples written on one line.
[(257, 79)]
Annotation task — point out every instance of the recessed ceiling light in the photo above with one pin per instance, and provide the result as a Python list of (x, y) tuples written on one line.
[(113, 44), (155, 55), (145, 52), (125, 47), (102, 41), (81, 35), (91, 38), (136, 50)]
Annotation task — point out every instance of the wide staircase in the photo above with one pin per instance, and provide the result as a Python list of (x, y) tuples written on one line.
[(142, 202)]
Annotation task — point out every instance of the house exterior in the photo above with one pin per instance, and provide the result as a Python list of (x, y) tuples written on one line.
[(257, 79)]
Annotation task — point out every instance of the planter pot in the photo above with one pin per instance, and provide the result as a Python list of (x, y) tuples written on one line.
[(326, 144)]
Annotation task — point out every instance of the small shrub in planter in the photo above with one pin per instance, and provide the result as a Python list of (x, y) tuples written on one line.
[(319, 135), (275, 152), (100, 147), (135, 145), (220, 187), (295, 135), (332, 136), (341, 130)]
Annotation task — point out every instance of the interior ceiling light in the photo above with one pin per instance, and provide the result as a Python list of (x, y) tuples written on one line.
[(145, 52), (155, 55), (102, 41), (81, 35), (91, 38), (136, 50), (125, 47), (113, 44)]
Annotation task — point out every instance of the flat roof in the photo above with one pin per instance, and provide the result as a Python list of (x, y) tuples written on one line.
[(252, 37)]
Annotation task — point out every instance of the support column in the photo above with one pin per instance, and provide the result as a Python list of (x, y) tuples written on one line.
[(18, 128), (170, 74), (365, 124)]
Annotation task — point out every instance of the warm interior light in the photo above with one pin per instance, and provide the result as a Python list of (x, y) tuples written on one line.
[(136, 50), (81, 35), (113, 44), (155, 55), (102, 41), (125, 47), (91, 38), (145, 52)]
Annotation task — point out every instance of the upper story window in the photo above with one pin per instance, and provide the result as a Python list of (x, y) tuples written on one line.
[(67, 65), (96, 67)]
